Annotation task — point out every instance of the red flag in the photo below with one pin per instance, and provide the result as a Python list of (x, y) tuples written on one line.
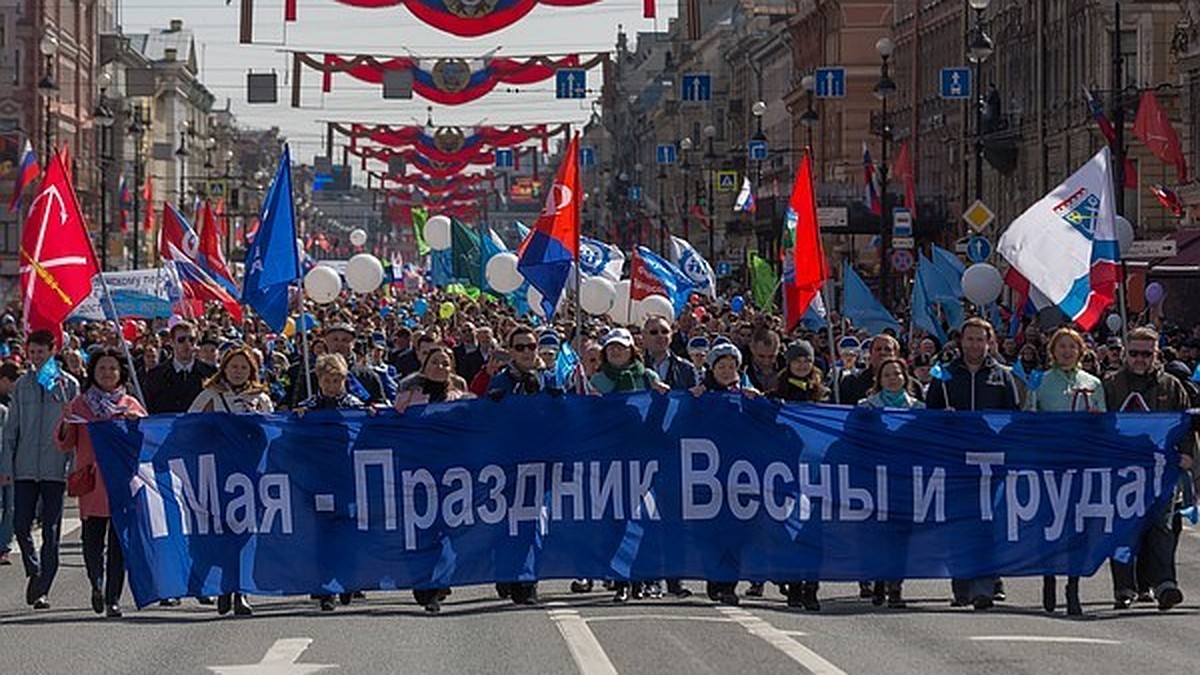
[(177, 237), (210, 244), (1168, 198), (904, 171), (648, 9), (810, 269), (57, 261), (1154, 128), (148, 200)]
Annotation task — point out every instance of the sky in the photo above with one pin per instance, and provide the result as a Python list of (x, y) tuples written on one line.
[(328, 26)]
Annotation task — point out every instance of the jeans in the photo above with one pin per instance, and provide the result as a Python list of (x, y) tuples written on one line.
[(1155, 562), (103, 558), (6, 518), (28, 495)]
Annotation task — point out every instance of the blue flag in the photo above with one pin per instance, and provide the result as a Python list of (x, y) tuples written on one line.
[(598, 259), (272, 261), (441, 267), (922, 317), (650, 274), (861, 307), (49, 374), (564, 365)]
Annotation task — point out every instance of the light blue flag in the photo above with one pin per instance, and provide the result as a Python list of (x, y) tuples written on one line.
[(861, 307), (951, 268), (812, 319), (522, 232), (441, 267), (49, 374), (490, 245), (598, 259), (922, 317), (564, 366), (272, 261), (944, 285)]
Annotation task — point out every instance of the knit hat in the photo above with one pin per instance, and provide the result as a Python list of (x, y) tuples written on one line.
[(848, 343), (798, 349), (721, 351), (549, 339)]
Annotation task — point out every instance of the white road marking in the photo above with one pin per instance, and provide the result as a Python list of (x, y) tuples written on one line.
[(280, 659), (585, 649), (658, 617), (780, 640), (1043, 638)]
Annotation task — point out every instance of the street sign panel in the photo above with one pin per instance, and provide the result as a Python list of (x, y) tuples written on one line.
[(587, 156), (665, 154), (978, 216), (833, 217), (956, 83), (1152, 248), (902, 223), (726, 181), (904, 243), (902, 260), (757, 151), (724, 269), (695, 87), (979, 249), (830, 82), (570, 83), (635, 193), (504, 158)]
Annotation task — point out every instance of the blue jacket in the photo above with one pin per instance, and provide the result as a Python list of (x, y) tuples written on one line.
[(512, 381)]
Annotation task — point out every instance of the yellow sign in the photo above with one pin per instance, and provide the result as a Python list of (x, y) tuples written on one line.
[(726, 181), (978, 216)]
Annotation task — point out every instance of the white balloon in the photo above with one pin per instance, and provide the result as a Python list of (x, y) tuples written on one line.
[(654, 305), (597, 296), (501, 273), (322, 284), (1113, 322), (364, 273), (982, 283), (1124, 234), (358, 237), (534, 297), (620, 311), (437, 233)]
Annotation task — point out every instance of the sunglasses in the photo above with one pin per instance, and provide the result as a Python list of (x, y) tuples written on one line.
[(184, 339), (1140, 354), (658, 332), (524, 348)]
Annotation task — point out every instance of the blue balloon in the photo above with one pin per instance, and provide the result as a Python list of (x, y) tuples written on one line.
[(737, 304), (420, 307)]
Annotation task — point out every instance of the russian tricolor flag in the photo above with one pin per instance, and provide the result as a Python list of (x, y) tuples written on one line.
[(871, 184), (546, 255), (27, 174)]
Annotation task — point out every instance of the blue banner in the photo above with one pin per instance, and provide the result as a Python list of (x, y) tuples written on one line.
[(643, 486)]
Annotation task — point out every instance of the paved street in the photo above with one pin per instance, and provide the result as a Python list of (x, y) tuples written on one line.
[(477, 633)]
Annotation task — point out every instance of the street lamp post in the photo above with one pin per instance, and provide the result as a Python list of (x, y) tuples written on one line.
[(104, 120), (809, 117), (48, 89), (710, 158), (685, 147), (758, 110), (1118, 116), (181, 153), (979, 48), (884, 88), (138, 129)]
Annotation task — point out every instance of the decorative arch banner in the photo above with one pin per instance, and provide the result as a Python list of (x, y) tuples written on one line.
[(447, 80), (643, 486), (417, 159), (465, 18), (450, 143)]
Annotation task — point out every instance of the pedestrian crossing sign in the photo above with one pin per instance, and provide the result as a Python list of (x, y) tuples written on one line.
[(726, 181)]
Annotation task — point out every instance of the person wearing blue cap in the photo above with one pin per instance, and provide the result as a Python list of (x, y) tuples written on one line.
[(548, 345), (697, 349)]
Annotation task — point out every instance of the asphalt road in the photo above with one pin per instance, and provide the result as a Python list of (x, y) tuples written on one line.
[(588, 634)]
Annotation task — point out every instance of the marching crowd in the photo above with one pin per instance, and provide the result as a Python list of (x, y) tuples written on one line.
[(381, 351)]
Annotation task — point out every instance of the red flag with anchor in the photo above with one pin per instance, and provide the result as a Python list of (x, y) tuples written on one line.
[(57, 261)]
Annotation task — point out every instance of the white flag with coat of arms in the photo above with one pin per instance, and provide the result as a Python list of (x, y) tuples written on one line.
[(694, 266), (598, 259)]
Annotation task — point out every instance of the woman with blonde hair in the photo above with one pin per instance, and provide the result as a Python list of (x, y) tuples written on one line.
[(1066, 387), (235, 387)]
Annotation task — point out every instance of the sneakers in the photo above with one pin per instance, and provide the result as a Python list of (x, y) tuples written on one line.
[(1168, 597), (240, 606), (169, 602), (581, 586), (622, 595), (113, 612), (41, 603)]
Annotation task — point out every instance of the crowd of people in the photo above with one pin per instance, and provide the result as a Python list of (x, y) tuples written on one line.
[(388, 351)]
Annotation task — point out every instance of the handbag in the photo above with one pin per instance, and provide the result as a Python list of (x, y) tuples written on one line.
[(81, 481)]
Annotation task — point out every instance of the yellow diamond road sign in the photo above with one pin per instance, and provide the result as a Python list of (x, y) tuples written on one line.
[(978, 216)]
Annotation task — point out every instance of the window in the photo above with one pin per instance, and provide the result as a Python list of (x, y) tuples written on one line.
[(1129, 54)]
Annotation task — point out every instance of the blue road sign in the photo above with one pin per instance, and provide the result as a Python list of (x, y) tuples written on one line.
[(902, 260), (635, 193), (665, 154), (570, 83), (902, 223), (504, 159), (979, 249), (831, 82), (696, 87), (956, 83), (724, 269), (587, 156), (757, 150)]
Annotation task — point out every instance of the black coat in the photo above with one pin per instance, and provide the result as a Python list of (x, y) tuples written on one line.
[(170, 392), (468, 362)]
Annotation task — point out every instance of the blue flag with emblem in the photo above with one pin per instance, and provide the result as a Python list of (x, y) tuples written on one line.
[(599, 259), (49, 374), (565, 364), (694, 266), (272, 261)]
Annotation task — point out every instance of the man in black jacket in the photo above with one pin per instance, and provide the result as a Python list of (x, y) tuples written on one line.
[(172, 385), (677, 373)]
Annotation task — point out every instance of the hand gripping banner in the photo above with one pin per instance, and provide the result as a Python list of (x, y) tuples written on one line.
[(643, 486)]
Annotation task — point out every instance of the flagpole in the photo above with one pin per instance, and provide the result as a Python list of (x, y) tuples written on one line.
[(833, 372), (578, 275), (112, 306), (303, 312)]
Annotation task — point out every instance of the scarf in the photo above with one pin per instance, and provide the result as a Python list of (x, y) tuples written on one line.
[(104, 405), (894, 399), (629, 378)]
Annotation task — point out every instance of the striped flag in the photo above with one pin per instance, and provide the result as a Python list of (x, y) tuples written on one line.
[(27, 173)]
